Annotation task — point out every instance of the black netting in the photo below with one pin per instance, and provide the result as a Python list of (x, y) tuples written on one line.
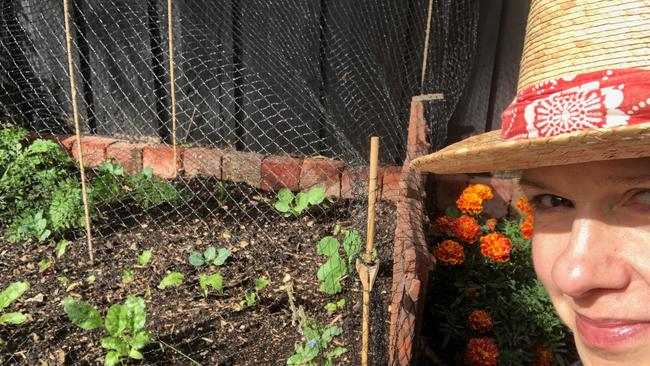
[(258, 84)]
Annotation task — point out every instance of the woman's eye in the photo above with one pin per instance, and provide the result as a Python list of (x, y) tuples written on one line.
[(642, 198), (546, 201)]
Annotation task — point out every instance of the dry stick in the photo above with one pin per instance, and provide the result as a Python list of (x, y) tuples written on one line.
[(370, 241), (171, 77), (75, 113), (426, 46)]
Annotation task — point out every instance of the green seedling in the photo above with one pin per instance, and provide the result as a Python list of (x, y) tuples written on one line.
[(315, 350), (336, 267), (7, 297), (124, 324), (145, 257), (61, 247), (173, 279), (251, 297), (128, 276), (332, 307), (215, 281), (209, 256), (293, 205), (63, 280), (44, 264), (91, 279)]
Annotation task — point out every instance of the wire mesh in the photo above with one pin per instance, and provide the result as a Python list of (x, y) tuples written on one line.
[(262, 88)]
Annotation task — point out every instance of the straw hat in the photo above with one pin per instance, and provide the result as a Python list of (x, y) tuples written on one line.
[(583, 92)]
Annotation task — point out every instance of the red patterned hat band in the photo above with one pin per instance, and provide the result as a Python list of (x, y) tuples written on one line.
[(600, 99)]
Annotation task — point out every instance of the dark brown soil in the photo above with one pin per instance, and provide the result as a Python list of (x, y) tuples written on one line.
[(212, 330)]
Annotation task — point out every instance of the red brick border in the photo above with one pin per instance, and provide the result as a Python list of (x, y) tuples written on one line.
[(260, 171)]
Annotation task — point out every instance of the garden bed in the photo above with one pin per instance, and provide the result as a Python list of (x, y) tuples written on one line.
[(210, 330)]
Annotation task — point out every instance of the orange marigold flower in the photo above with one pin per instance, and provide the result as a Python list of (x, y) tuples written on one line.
[(481, 352), (450, 253), (496, 247), (491, 224), (470, 203), (482, 190), (526, 227), (443, 223), (480, 321), (544, 356), (523, 206), (466, 228)]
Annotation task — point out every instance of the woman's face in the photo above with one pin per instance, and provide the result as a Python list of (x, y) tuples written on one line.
[(591, 250)]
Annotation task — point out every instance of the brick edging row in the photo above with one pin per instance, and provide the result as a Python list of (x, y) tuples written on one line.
[(265, 172)]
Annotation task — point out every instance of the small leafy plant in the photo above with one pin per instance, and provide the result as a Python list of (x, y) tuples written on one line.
[(316, 350), (124, 324), (335, 268), (214, 280), (209, 256), (7, 297), (293, 205), (332, 307), (251, 297), (61, 247), (128, 276), (144, 257), (174, 279)]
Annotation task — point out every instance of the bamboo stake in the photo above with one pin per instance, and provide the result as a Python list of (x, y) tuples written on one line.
[(75, 114), (172, 81), (425, 52), (368, 271)]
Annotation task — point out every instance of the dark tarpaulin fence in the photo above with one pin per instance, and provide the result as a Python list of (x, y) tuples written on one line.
[(299, 77)]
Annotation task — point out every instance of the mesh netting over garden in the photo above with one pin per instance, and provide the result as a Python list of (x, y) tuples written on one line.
[(226, 208)]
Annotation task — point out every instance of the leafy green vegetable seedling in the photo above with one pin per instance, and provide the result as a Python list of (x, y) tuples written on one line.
[(209, 256), (124, 324), (145, 257), (44, 264), (332, 307), (61, 247), (128, 276), (215, 281), (251, 297), (293, 205), (173, 279), (316, 349), (336, 267), (7, 297)]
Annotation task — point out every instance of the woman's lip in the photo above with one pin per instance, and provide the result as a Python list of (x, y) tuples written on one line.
[(609, 333)]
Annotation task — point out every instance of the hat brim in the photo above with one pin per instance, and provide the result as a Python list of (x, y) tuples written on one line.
[(488, 153)]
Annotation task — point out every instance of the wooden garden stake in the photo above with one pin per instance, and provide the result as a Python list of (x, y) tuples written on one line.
[(172, 83), (366, 268), (75, 114)]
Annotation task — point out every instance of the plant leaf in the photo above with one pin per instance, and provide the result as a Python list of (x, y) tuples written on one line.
[(215, 281), (12, 292), (209, 254), (145, 257), (135, 354), (196, 259), (261, 283), (285, 195), (172, 279), (338, 351), (282, 206), (82, 314), (113, 343), (222, 255), (128, 276), (328, 246), (316, 196), (302, 201), (61, 247), (13, 318), (352, 244), (116, 319), (136, 313), (112, 358), (140, 339)]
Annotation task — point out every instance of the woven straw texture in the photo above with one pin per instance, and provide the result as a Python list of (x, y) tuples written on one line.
[(563, 37), (577, 36)]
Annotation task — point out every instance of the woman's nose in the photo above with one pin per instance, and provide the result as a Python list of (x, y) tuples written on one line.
[(591, 260)]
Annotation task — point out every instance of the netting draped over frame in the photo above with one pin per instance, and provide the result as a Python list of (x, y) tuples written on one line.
[(260, 85)]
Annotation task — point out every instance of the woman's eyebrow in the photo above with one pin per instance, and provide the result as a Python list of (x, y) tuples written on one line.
[(526, 182), (628, 180)]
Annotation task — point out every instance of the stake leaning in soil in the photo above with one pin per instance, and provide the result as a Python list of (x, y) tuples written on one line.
[(75, 114), (368, 270)]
